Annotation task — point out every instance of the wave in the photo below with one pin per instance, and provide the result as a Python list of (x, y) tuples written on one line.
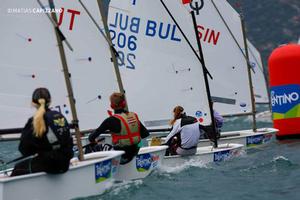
[(278, 164), (120, 189), (125, 185), (186, 165), (279, 159)]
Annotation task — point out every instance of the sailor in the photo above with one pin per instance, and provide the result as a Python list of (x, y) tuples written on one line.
[(209, 131), (185, 133), (125, 127), (218, 119), (47, 136)]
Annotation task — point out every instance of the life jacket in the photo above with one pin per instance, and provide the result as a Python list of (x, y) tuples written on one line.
[(186, 120), (58, 134), (130, 130)]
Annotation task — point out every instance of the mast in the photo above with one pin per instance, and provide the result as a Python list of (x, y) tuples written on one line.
[(67, 76), (206, 80), (254, 126), (113, 53)]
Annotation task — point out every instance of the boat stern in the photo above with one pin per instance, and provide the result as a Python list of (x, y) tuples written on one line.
[(147, 160)]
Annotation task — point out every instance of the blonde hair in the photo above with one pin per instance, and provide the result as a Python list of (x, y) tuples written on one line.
[(178, 111), (39, 124)]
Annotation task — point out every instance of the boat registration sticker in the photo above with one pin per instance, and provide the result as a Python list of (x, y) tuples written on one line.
[(255, 140), (222, 155), (103, 171), (143, 162)]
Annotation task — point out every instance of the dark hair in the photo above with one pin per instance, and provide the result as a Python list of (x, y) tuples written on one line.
[(41, 93)]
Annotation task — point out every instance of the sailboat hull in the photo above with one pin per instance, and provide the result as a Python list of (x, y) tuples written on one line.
[(206, 155), (248, 138), (90, 177)]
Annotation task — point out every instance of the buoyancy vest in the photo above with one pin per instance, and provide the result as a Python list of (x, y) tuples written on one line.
[(130, 130), (58, 133), (186, 120)]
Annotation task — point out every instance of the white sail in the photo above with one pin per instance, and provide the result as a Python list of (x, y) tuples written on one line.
[(258, 77), (224, 58), (29, 58), (159, 70), (93, 77)]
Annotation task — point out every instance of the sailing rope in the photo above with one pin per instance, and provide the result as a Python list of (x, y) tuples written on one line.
[(233, 37)]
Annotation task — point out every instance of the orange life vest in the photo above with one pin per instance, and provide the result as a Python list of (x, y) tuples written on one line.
[(130, 130)]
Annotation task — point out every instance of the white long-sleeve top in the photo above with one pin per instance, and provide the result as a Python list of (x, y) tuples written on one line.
[(189, 134)]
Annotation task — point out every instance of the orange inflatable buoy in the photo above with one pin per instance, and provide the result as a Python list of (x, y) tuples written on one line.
[(284, 71)]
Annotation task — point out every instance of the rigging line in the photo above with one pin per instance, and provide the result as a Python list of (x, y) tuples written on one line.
[(56, 26), (186, 39), (250, 79), (120, 9), (233, 37), (110, 44)]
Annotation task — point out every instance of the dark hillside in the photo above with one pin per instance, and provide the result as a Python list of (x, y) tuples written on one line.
[(270, 23)]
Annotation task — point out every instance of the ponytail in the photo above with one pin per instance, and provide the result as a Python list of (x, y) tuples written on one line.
[(178, 112), (39, 126)]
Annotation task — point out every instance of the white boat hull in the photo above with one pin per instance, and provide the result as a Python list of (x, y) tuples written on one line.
[(248, 138), (205, 155), (148, 160), (86, 178)]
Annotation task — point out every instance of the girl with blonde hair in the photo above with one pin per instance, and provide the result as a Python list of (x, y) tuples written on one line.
[(47, 136)]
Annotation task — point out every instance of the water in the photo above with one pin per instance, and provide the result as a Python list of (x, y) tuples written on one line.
[(272, 172), (269, 173)]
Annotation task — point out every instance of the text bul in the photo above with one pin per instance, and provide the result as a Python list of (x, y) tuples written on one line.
[(163, 31)]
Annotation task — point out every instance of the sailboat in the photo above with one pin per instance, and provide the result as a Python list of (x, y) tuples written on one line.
[(220, 30), (30, 59), (233, 23)]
